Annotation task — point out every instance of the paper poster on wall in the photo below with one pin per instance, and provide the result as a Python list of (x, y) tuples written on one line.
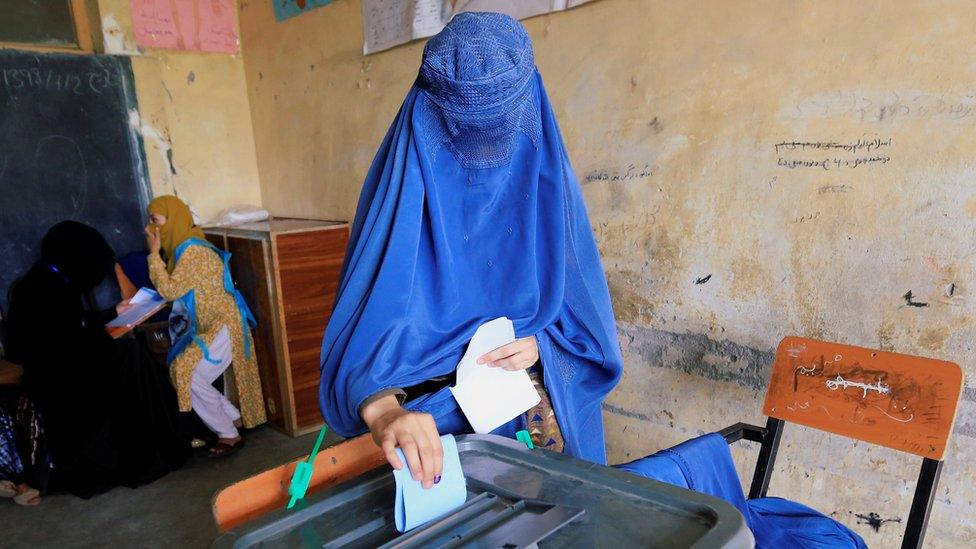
[(196, 25), (518, 9), (286, 9), (389, 23)]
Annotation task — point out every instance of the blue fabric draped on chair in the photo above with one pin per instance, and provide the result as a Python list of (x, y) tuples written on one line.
[(704, 464)]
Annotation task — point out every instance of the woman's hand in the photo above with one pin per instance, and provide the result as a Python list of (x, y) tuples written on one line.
[(122, 307), (414, 433), (153, 240), (517, 355)]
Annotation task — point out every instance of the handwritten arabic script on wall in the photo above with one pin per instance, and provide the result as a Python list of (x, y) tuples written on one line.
[(832, 155)]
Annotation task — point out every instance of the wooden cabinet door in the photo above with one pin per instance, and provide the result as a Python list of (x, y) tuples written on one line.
[(309, 264)]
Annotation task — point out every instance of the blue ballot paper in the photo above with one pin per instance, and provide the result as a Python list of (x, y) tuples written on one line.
[(415, 506)]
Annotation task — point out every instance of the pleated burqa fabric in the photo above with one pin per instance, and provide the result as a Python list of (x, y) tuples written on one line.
[(471, 211)]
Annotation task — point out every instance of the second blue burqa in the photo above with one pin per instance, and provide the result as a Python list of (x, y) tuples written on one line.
[(469, 212), (704, 464)]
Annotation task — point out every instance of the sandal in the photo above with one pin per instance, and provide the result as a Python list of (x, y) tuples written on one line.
[(28, 498), (7, 489), (222, 449)]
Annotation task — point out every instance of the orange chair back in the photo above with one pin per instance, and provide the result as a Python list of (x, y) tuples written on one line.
[(903, 402)]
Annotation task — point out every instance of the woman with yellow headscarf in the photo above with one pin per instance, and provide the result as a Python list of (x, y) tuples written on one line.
[(210, 325)]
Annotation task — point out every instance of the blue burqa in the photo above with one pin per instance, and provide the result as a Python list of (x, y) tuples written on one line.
[(469, 212), (704, 464)]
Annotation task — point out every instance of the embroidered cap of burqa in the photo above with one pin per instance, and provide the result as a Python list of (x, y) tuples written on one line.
[(471, 211)]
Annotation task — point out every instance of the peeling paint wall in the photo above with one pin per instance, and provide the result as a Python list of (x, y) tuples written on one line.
[(752, 170), (194, 118)]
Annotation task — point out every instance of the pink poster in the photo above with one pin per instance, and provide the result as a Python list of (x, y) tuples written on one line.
[(200, 25), (186, 22), (216, 25), (154, 24)]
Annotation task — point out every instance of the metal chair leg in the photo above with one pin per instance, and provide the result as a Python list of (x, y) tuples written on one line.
[(918, 517), (767, 458)]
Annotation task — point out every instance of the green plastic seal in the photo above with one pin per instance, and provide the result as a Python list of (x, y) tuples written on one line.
[(525, 438)]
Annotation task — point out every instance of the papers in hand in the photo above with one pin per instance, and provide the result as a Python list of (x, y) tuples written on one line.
[(491, 397), (144, 304), (414, 506)]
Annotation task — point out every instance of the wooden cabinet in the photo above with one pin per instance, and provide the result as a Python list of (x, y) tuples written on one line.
[(288, 271)]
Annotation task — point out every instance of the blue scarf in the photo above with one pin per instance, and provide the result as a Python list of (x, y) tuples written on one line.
[(183, 319), (471, 211)]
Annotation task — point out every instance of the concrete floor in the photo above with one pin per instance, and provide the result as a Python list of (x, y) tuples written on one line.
[(174, 511)]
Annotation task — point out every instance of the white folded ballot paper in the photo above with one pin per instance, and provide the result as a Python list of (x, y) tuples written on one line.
[(491, 397)]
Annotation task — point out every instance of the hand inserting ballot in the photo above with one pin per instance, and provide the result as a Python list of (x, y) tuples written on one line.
[(414, 433)]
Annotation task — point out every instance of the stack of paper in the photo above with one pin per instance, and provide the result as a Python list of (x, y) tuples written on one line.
[(491, 396), (144, 304)]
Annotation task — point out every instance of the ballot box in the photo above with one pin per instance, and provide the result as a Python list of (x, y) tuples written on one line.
[(517, 497)]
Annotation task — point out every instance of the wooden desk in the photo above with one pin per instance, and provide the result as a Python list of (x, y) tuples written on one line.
[(288, 271)]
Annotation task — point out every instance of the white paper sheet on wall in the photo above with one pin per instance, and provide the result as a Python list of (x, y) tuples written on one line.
[(518, 9), (389, 23)]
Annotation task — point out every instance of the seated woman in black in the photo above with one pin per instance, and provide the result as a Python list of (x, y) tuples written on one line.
[(108, 407)]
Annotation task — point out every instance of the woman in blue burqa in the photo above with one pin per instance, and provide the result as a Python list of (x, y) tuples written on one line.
[(470, 212)]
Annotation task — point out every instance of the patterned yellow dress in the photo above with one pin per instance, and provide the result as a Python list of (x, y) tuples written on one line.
[(202, 270)]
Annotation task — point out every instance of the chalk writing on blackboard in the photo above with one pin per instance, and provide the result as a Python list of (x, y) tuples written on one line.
[(64, 145), (35, 78)]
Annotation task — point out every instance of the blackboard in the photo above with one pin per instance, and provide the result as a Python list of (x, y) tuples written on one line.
[(67, 152), (37, 22)]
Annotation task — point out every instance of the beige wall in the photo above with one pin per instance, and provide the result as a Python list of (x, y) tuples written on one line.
[(319, 107), (700, 93), (193, 116)]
